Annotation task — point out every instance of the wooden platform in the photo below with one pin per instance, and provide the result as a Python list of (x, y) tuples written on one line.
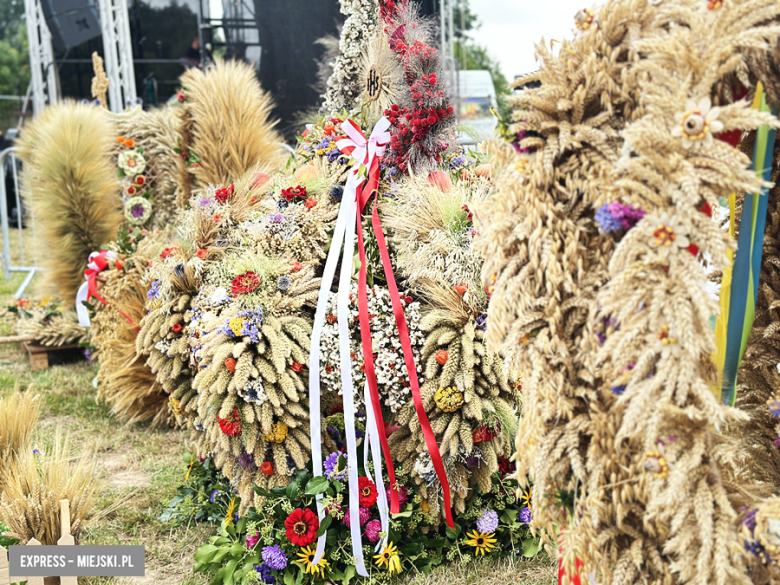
[(39, 354)]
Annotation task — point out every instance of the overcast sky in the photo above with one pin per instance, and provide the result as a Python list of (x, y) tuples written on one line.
[(511, 28)]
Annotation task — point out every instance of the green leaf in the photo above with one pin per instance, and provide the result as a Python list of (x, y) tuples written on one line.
[(451, 534), (240, 527), (324, 525), (223, 552), (349, 573), (262, 492), (531, 547), (289, 579), (205, 553), (230, 569), (316, 485), (237, 550), (291, 490), (338, 486)]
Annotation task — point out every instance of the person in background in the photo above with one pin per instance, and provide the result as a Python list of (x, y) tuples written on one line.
[(192, 54)]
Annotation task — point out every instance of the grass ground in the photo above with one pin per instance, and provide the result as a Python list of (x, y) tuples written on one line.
[(140, 467)]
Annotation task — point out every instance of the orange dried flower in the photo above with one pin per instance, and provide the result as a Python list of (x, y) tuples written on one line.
[(267, 468), (461, 288), (441, 357), (130, 143), (230, 364)]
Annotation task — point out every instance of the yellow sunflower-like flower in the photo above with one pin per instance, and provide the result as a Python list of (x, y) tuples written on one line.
[(305, 558), (481, 541), (528, 496), (231, 511), (176, 406), (389, 558), (278, 433)]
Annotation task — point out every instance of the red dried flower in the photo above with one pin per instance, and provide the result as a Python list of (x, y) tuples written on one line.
[(140, 180), (216, 217), (294, 193), (461, 288), (202, 253), (222, 195), (441, 357), (259, 179), (367, 492), (301, 527), (176, 328), (231, 426), (332, 318), (296, 367), (245, 283), (267, 468), (230, 364), (409, 300), (310, 203), (296, 267), (505, 466), (167, 252)]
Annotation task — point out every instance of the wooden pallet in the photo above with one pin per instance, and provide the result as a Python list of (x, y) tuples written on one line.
[(39, 354)]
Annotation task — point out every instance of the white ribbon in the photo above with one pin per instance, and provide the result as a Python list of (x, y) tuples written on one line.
[(364, 153), (83, 292), (372, 443)]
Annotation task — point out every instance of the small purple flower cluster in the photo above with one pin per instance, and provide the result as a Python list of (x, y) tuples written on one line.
[(615, 216), (250, 326), (332, 467), (525, 515), (154, 290), (488, 522)]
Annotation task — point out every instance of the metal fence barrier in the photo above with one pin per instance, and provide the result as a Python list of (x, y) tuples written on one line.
[(9, 156)]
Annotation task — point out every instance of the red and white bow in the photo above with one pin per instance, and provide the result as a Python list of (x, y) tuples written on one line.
[(367, 152), (96, 263)]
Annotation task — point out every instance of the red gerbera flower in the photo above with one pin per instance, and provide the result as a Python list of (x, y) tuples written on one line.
[(222, 195), (245, 283), (301, 527), (297, 192), (231, 426), (368, 493)]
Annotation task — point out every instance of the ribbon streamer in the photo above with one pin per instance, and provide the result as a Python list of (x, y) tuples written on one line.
[(739, 303), (344, 232), (371, 150), (96, 263)]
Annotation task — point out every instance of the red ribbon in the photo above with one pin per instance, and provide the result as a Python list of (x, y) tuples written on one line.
[(403, 332), (101, 263)]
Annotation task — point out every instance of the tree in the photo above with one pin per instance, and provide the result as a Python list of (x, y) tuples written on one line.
[(476, 56)]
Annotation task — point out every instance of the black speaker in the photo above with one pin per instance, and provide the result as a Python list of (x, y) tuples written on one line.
[(71, 22)]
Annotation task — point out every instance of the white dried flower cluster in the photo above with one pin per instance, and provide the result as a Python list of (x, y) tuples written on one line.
[(391, 374), (253, 392), (163, 346), (343, 87)]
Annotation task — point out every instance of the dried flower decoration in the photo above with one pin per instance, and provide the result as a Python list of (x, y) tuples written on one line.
[(231, 426), (668, 234), (245, 283), (448, 399), (656, 464), (293, 193), (131, 162), (583, 19), (222, 195), (138, 210), (773, 404), (697, 123), (714, 4), (277, 434)]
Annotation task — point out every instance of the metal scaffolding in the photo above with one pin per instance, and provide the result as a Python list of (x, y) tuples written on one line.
[(43, 73), (118, 49), (447, 50)]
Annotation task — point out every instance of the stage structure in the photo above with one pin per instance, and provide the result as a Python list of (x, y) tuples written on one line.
[(43, 73)]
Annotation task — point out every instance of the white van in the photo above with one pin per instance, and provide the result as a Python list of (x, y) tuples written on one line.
[(477, 96)]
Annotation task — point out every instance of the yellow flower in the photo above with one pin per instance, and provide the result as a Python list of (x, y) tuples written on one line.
[(425, 507), (278, 433), (231, 511), (389, 558), (482, 541), (448, 399), (306, 557), (45, 301), (192, 462), (528, 495), (236, 324)]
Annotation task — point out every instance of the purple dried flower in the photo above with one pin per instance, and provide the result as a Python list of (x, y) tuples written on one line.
[(274, 557), (607, 222), (489, 521), (525, 515), (247, 461), (332, 467)]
